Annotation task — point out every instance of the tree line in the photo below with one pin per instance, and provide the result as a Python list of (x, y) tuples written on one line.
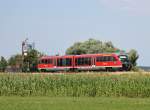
[(29, 62), (20, 63)]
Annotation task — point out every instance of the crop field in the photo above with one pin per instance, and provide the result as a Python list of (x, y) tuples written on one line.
[(76, 85), (81, 91)]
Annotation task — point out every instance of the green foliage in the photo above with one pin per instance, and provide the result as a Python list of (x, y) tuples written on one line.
[(24, 63), (15, 61), (3, 64), (90, 46), (31, 60), (76, 49), (133, 57), (92, 85)]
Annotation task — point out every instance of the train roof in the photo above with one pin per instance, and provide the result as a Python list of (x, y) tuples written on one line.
[(100, 54)]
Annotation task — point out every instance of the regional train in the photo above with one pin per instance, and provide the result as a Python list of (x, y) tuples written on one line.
[(85, 62)]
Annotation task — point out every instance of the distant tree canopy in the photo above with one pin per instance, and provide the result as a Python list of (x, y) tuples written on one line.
[(90, 46), (15, 60), (3, 64), (133, 57), (31, 60)]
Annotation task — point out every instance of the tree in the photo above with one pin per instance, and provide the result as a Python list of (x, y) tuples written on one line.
[(133, 57), (31, 60), (25, 63), (3, 64), (76, 49), (15, 62), (90, 46)]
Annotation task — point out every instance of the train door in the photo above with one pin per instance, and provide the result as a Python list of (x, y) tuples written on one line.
[(93, 61)]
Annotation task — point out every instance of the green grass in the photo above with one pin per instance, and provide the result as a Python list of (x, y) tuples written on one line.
[(70, 103)]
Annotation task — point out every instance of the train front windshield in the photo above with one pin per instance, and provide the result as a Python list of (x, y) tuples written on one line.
[(124, 58), (125, 61)]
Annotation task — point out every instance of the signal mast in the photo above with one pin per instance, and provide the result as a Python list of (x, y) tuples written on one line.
[(26, 47)]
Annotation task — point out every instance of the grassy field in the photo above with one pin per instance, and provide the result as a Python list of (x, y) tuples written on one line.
[(68, 103), (83, 91)]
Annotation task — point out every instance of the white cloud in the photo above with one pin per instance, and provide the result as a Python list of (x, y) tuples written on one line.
[(132, 6)]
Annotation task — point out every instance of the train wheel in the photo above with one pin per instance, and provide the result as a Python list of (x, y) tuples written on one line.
[(109, 69), (43, 70)]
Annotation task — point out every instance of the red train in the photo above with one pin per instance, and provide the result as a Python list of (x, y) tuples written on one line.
[(107, 62)]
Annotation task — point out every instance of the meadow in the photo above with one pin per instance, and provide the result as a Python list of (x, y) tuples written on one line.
[(73, 103)]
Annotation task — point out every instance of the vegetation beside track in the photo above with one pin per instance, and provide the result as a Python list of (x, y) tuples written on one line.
[(76, 85)]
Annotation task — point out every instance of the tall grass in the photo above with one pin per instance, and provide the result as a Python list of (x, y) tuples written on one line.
[(93, 85)]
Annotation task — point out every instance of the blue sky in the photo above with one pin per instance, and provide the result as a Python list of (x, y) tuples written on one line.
[(54, 25)]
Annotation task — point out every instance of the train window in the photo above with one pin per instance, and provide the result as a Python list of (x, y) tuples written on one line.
[(55, 63), (113, 59), (83, 61), (43, 61), (105, 59), (64, 62), (46, 61), (99, 59), (77, 61), (50, 61), (68, 62), (109, 58), (59, 62), (87, 61)]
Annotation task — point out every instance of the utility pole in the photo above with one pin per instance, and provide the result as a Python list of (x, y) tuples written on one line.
[(26, 48), (24, 51)]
